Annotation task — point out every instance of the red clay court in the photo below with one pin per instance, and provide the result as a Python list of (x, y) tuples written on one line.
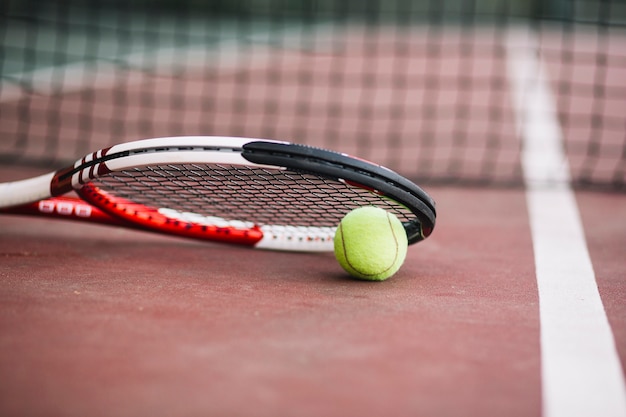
[(511, 119)]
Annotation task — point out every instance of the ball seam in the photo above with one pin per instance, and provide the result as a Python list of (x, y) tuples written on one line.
[(395, 239)]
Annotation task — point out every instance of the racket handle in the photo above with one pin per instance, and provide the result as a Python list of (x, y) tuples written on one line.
[(65, 208), (21, 192)]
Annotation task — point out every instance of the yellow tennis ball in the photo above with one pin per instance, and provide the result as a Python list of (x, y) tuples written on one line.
[(370, 243)]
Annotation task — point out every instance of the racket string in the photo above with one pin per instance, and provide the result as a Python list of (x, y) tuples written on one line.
[(239, 193)]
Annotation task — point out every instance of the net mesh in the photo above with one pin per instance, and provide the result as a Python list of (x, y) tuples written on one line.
[(421, 86)]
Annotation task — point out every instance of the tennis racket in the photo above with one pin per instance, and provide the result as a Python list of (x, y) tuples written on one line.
[(260, 193)]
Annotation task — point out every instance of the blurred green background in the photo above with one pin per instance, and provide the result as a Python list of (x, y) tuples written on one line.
[(582, 11)]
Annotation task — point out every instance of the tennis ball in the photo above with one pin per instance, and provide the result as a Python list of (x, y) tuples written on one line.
[(370, 243)]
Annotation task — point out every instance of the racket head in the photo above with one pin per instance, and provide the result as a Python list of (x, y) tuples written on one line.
[(260, 193)]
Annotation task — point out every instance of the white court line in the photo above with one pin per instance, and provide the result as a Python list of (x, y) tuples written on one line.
[(581, 371)]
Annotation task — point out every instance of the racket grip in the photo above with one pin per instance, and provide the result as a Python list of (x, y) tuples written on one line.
[(66, 208), (21, 192)]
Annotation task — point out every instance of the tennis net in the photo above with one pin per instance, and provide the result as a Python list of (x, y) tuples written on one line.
[(422, 87)]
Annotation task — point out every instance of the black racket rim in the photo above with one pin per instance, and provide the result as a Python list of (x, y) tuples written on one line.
[(359, 172)]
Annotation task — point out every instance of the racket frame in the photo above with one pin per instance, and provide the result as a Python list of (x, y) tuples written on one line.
[(42, 195)]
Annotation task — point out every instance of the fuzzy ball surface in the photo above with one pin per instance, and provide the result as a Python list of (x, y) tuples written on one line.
[(370, 243)]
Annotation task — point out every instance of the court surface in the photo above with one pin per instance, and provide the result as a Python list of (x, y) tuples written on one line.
[(515, 306), (101, 322)]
